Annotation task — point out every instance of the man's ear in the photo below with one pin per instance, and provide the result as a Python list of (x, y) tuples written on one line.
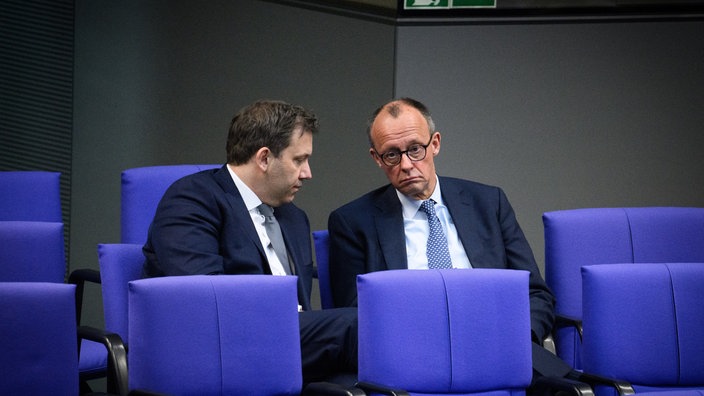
[(262, 158), (436, 143)]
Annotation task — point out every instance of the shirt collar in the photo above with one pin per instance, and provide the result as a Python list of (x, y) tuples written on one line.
[(410, 206), (251, 200)]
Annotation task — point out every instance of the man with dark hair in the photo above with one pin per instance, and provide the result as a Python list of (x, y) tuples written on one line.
[(227, 221)]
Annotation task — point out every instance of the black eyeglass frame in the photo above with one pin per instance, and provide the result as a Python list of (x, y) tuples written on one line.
[(401, 153)]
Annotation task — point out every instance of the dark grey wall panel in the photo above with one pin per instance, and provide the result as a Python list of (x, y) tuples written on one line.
[(36, 89), (157, 82), (565, 115)]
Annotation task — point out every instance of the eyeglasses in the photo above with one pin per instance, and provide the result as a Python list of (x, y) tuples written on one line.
[(416, 152)]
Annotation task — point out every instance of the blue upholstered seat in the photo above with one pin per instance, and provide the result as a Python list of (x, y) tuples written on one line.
[(215, 335), (644, 324), (119, 263), (30, 196), (141, 191), (38, 343), (321, 242), (574, 238), (439, 332)]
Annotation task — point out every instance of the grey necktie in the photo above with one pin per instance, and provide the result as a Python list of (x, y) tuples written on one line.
[(437, 251), (274, 232)]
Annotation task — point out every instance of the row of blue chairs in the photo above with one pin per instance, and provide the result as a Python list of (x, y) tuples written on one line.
[(574, 239), (238, 335), (32, 232), (33, 250), (627, 321), (423, 331), (622, 243)]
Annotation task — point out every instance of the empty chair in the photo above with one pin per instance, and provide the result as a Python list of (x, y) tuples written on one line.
[(215, 335), (141, 191), (574, 238), (643, 325), (38, 339), (321, 242), (119, 263), (32, 201), (32, 251), (30, 196), (460, 332)]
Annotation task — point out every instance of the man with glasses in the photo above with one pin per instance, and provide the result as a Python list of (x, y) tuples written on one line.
[(395, 227)]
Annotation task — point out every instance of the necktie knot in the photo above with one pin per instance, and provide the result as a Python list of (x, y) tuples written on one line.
[(428, 207), (266, 211)]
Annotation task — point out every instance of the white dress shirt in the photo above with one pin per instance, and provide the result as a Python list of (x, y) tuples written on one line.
[(415, 223), (252, 202)]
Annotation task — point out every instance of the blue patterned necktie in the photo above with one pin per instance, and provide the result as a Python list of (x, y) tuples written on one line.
[(437, 250)]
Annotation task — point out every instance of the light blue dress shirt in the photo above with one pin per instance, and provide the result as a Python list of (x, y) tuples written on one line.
[(415, 223)]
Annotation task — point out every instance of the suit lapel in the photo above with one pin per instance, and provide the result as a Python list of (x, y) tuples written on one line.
[(389, 218), (240, 214), (462, 209)]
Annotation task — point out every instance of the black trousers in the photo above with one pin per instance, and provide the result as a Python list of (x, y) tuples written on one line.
[(545, 363), (328, 343)]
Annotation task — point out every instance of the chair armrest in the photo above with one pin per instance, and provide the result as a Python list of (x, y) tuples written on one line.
[(329, 388), (117, 380), (79, 278), (140, 392), (83, 275), (370, 387), (566, 321), (560, 385), (622, 387)]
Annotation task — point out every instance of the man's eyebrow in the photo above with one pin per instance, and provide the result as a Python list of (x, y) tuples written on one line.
[(396, 148)]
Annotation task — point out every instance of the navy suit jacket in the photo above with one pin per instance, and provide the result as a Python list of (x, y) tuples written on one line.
[(202, 226), (367, 235)]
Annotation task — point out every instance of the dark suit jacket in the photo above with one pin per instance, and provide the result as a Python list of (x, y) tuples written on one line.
[(367, 235), (202, 226)]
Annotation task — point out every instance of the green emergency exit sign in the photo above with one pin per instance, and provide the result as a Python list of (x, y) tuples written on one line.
[(446, 4)]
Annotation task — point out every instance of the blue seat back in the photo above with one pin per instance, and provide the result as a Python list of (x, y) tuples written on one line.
[(119, 263), (643, 323), (30, 196), (321, 242), (38, 339), (141, 191), (574, 238), (32, 251), (445, 331), (225, 334)]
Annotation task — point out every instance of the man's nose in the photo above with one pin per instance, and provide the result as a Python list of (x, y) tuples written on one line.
[(306, 172), (406, 162)]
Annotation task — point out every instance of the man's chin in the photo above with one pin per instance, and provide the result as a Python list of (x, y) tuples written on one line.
[(410, 189), (288, 199)]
